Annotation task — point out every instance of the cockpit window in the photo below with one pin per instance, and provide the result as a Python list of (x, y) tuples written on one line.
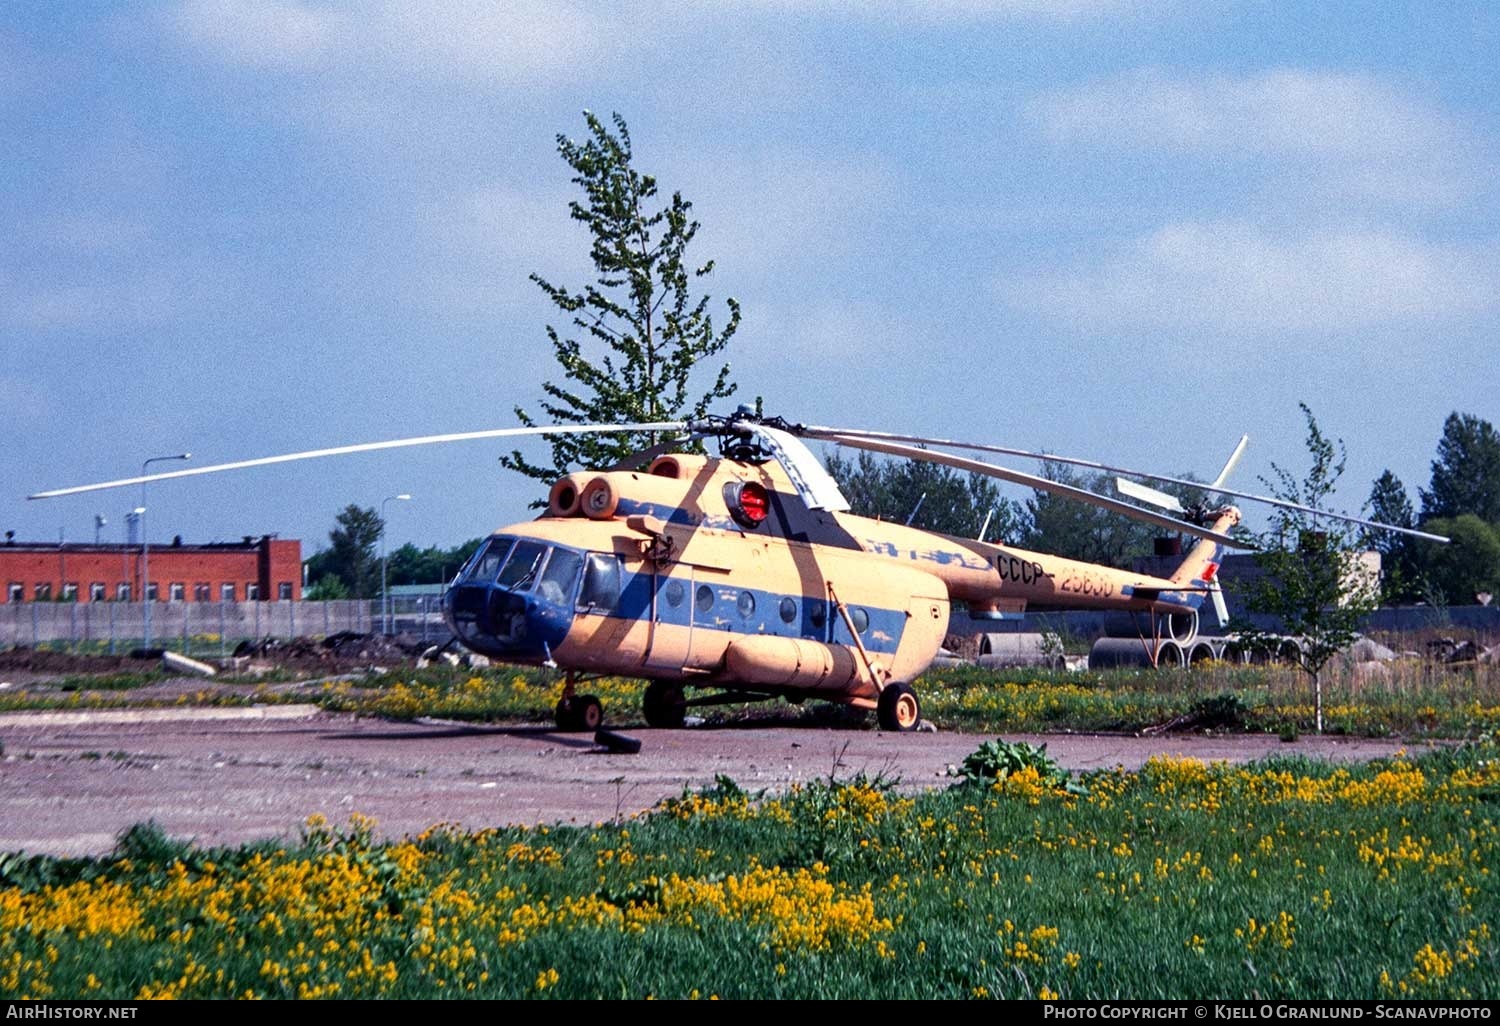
[(560, 577), (519, 572), (601, 582), (489, 560)]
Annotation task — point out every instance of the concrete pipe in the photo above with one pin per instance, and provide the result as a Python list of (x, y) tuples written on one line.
[(1109, 653), (1026, 649), (1201, 652), (1181, 627)]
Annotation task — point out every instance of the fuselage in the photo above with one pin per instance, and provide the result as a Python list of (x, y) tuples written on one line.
[(664, 574)]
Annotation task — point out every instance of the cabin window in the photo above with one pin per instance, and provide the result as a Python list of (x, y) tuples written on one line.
[(745, 604), (560, 577), (601, 582), (520, 570), (788, 610), (489, 559), (861, 619), (675, 593), (817, 612), (704, 599)]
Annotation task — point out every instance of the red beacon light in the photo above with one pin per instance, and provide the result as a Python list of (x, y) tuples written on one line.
[(748, 503)]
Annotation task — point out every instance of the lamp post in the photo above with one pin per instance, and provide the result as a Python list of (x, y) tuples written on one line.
[(146, 544), (385, 595)]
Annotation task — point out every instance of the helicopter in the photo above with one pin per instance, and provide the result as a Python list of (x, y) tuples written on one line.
[(745, 576)]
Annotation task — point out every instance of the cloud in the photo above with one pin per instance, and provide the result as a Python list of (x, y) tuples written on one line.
[(520, 41), (1233, 276), (1365, 136)]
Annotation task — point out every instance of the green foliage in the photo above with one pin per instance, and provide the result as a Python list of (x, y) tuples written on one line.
[(432, 565), (1287, 879), (328, 588), (1311, 579), (1468, 565), (996, 760), (351, 555), (1466, 473), (1077, 530), (645, 331), (1400, 571), (950, 502)]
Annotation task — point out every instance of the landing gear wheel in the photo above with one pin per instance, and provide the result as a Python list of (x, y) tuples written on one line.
[(898, 708), (665, 704), (581, 712)]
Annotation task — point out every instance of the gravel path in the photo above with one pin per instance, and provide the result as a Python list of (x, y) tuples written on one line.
[(69, 783)]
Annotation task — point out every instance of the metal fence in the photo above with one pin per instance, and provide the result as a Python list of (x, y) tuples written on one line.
[(207, 628)]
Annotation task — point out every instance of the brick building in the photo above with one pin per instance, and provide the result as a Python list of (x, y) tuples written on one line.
[(262, 569)]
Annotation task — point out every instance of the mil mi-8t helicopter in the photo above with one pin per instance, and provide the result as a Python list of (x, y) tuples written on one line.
[(744, 576)]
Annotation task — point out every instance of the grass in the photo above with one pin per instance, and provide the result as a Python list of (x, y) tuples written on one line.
[(1286, 879)]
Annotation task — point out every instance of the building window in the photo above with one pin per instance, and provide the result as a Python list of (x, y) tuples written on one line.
[(122, 592), (252, 591), (43, 592), (96, 591), (151, 592), (202, 593), (177, 592), (226, 593), (70, 591), (284, 591), (16, 592)]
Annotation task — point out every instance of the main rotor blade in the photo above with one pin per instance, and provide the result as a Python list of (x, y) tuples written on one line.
[(345, 450), (829, 434), (815, 486), (1039, 483)]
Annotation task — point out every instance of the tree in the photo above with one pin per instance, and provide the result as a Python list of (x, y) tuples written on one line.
[(1401, 578), (1077, 530), (1312, 580), (943, 499), (1466, 473), (645, 331), (1468, 565), (432, 565), (350, 556)]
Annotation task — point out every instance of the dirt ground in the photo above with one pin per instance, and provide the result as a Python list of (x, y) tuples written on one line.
[(71, 782)]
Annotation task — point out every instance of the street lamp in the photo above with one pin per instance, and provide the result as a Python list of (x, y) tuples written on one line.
[(146, 545), (385, 595)]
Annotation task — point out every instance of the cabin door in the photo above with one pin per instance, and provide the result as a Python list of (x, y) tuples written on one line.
[(671, 620)]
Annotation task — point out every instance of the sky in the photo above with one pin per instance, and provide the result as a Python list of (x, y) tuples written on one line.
[(1129, 231)]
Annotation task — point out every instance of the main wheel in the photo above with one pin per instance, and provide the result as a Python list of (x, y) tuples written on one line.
[(665, 704), (581, 712), (898, 708)]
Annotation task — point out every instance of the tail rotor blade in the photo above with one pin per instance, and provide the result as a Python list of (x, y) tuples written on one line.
[(1150, 496)]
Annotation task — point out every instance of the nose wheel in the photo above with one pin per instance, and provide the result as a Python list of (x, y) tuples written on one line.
[(578, 712)]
